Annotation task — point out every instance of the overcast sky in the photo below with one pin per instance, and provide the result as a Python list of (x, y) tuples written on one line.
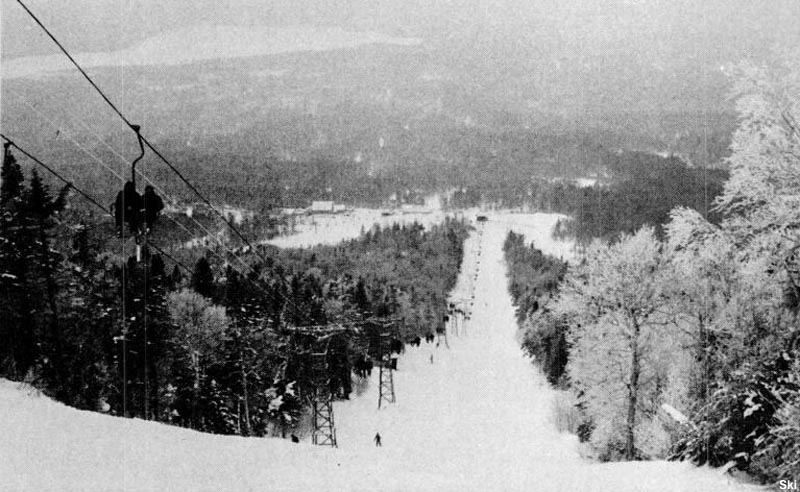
[(595, 56), (654, 25)]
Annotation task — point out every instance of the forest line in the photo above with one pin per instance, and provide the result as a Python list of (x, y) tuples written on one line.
[(99, 330)]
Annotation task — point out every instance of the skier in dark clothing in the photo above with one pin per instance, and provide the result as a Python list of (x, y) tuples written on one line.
[(377, 439), (127, 208), (153, 205)]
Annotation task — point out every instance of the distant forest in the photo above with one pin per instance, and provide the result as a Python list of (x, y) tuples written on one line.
[(637, 189), (356, 145)]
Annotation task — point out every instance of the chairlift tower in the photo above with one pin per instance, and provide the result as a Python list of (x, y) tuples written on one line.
[(324, 428), (386, 367), (324, 433)]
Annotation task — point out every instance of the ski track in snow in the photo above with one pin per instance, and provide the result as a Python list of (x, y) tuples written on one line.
[(477, 418)]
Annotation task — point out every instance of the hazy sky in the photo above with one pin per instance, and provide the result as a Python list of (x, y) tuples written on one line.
[(651, 25), (592, 55)]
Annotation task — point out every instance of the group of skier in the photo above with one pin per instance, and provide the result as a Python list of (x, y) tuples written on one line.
[(416, 341), (140, 212), (363, 366)]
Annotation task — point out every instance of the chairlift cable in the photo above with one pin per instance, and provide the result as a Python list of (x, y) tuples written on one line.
[(134, 128), (83, 194), (97, 159), (143, 141)]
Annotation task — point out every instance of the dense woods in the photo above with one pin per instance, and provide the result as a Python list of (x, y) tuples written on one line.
[(643, 191), (284, 155), (682, 340), (534, 279), (205, 347)]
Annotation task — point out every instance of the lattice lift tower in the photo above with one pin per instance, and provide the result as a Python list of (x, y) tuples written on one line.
[(381, 334), (386, 365), (324, 433)]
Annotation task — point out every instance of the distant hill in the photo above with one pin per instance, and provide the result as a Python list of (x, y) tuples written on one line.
[(200, 43), (463, 97), (281, 128)]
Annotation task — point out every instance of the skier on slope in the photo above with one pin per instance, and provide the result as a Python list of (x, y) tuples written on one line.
[(377, 440)]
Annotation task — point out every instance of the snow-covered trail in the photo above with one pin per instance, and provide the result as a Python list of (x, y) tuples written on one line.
[(478, 417), (475, 419)]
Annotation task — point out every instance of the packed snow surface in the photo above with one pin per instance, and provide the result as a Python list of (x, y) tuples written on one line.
[(472, 414)]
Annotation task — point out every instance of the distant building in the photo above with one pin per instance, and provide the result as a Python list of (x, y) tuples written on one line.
[(408, 208), (293, 211), (322, 207), (237, 215)]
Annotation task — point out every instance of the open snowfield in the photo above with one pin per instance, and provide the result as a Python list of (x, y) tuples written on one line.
[(335, 228), (475, 418)]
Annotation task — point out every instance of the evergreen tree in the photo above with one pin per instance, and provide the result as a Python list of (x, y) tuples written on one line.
[(28, 271), (42, 211), (18, 341), (203, 278), (360, 298), (11, 178), (175, 278), (90, 295)]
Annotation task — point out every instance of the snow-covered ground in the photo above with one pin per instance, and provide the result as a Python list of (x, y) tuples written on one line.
[(536, 228), (476, 418), (335, 228)]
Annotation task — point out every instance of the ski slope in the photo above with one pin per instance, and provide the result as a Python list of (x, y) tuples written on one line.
[(476, 418)]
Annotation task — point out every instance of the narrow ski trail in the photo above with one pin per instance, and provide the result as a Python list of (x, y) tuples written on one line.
[(479, 416)]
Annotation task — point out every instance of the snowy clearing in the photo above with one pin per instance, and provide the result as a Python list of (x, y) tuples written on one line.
[(334, 228), (475, 418)]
